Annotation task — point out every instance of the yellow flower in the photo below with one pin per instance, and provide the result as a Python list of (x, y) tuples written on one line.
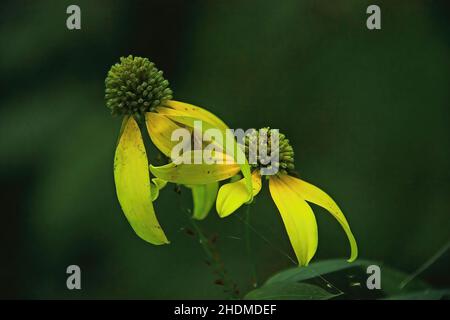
[(201, 178), (290, 195), (136, 89)]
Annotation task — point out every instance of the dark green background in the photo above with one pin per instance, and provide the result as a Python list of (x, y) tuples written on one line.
[(366, 111)]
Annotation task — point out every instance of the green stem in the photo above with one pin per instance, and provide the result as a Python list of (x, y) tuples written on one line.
[(249, 249), (426, 265), (202, 239), (213, 257)]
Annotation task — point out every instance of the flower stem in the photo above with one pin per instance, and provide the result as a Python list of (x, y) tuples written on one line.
[(213, 258), (249, 249), (426, 265)]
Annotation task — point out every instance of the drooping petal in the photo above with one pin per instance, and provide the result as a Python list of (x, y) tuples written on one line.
[(132, 181), (156, 185), (159, 183), (233, 195), (160, 130), (209, 121), (202, 173), (315, 195), (298, 219), (154, 192), (203, 196), (196, 112), (191, 122), (188, 120)]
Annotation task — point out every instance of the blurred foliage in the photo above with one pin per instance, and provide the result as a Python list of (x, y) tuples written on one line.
[(337, 279), (366, 111)]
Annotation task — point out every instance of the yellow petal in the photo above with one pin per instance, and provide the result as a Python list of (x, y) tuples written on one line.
[(203, 197), (160, 130), (132, 181), (196, 112), (190, 123), (196, 173), (233, 195), (156, 185), (298, 219), (315, 195), (209, 121), (159, 183)]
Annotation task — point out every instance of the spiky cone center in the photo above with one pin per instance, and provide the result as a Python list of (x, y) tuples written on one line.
[(135, 86), (281, 156)]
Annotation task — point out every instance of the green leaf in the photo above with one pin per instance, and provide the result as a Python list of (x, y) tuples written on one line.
[(428, 294), (344, 279), (315, 269), (289, 291), (391, 280)]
